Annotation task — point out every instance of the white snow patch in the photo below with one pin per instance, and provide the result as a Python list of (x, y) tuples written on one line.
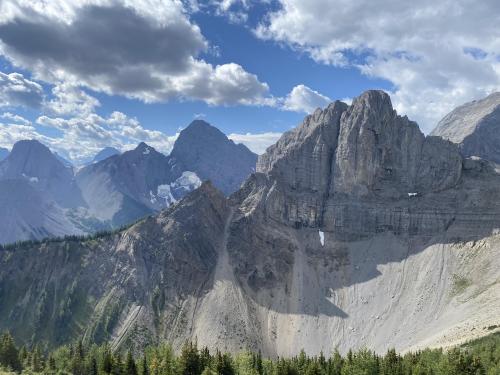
[(152, 197), (412, 194), (321, 237), (187, 182), (146, 151), (165, 192), (31, 179)]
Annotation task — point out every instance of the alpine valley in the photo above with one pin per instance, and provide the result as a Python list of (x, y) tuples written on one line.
[(355, 230)]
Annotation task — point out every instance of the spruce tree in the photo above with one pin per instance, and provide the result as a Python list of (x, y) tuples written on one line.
[(130, 367)]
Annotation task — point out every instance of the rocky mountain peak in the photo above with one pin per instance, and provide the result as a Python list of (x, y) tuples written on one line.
[(32, 161), (475, 127), (362, 151), (205, 150)]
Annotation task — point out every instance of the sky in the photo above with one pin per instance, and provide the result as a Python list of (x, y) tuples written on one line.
[(80, 75)]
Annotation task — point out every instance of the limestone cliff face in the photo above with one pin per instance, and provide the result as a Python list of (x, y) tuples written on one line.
[(474, 127), (346, 166), (356, 231)]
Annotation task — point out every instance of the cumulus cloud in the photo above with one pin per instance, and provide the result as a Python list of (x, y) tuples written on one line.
[(15, 118), (70, 99), (16, 90), (304, 99), (256, 142), (83, 137), (436, 54), (146, 49)]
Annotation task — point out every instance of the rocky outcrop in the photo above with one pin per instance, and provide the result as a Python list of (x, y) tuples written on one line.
[(474, 127), (356, 231)]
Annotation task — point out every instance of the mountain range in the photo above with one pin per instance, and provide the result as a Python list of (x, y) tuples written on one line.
[(356, 230), (44, 197)]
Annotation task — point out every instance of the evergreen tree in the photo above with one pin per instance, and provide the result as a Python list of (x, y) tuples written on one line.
[(93, 367), (144, 365), (130, 367), (107, 361), (189, 360), (9, 355), (36, 360)]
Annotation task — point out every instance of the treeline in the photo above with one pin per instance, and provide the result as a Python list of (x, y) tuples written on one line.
[(481, 357), (68, 238)]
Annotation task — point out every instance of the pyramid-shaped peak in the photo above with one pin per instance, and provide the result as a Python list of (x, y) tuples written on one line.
[(200, 128)]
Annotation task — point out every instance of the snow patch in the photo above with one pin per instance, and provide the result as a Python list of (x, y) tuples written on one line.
[(146, 151), (321, 237), (31, 179), (412, 195), (172, 192), (165, 192)]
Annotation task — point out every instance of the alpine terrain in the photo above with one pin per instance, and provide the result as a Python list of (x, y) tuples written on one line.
[(43, 196), (356, 230), (474, 127)]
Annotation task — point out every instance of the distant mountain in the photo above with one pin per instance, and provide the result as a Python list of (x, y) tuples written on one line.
[(3, 153), (123, 188), (105, 153), (38, 195), (32, 161), (28, 214), (475, 127), (117, 189), (207, 151)]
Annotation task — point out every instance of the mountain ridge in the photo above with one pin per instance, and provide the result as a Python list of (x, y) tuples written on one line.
[(292, 259)]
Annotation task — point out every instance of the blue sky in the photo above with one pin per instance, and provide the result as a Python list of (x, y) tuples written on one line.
[(81, 75)]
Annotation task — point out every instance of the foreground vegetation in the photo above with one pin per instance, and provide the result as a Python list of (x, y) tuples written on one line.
[(480, 357)]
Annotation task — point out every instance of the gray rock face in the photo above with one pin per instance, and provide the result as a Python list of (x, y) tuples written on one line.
[(27, 214), (324, 247), (105, 153), (364, 152), (34, 162), (122, 188), (475, 127), (205, 150)]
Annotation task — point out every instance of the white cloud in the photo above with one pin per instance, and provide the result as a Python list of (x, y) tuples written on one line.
[(83, 137), (437, 54), (16, 90), (304, 99), (71, 100), (146, 49), (256, 142), (15, 118)]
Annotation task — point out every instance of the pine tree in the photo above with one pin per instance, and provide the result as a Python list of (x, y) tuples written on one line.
[(93, 367), (144, 365), (36, 360), (130, 367), (107, 361), (189, 361), (9, 355)]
